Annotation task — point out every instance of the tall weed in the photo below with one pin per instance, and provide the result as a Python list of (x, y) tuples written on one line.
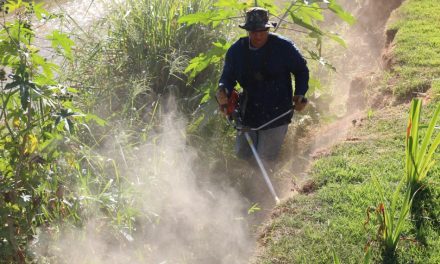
[(141, 57), (389, 230), (420, 151)]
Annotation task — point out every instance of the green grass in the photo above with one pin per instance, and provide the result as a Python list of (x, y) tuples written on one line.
[(333, 217), (417, 45)]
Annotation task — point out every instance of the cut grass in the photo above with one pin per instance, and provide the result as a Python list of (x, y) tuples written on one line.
[(417, 47), (332, 219)]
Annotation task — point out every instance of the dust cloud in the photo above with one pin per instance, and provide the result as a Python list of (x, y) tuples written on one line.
[(197, 217), (181, 217)]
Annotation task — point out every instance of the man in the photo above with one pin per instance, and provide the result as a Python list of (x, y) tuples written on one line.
[(262, 64)]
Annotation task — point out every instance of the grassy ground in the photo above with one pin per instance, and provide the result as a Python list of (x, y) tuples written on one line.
[(310, 228), (416, 60)]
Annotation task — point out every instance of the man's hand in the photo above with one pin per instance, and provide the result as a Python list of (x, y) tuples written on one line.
[(222, 99), (300, 102)]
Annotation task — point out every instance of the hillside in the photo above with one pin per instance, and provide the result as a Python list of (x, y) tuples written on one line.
[(337, 214)]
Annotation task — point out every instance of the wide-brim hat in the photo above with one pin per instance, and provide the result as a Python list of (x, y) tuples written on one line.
[(257, 18)]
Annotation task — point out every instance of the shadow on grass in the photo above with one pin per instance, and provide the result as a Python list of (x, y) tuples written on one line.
[(390, 257), (425, 213)]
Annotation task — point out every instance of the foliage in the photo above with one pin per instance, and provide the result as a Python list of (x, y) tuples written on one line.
[(42, 158), (419, 152), (36, 114), (140, 59), (389, 231)]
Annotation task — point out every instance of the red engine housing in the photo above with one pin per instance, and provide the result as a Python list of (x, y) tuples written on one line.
[(232, 102)]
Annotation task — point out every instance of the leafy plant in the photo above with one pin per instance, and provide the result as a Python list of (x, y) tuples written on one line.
[(389, 230), (38, 118), (419, 154), (418, 163)]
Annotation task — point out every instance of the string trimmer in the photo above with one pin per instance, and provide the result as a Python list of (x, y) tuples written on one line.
[(234, 120)]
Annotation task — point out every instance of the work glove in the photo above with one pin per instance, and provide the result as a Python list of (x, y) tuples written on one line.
[(222, 100), (300, 102)]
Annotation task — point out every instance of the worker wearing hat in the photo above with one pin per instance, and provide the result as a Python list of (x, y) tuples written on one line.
[(263, 63)]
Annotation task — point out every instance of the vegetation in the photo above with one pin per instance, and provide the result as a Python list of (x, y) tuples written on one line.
[(419, 157), (38, 119), (334, 217), (415, 62)]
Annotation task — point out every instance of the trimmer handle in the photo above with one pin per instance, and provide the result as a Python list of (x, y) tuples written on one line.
[(304, 100)]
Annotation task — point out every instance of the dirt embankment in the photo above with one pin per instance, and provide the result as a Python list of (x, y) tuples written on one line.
[(370, 44), (358, 69)]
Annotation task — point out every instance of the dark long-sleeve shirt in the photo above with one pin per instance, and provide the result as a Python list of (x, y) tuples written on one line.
[(265, 76)]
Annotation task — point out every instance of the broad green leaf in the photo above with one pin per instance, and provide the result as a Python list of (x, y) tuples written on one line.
[(197, 65), (61, 40), (13, 5), (206, 96), (309, 13), (92, 117), (202, 18), (201, 62), (47, 67), (340, 12), (41, 79), (72, 90), (233, 4), (40, 12), (337, 38), (321, 60), (300, 22)]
